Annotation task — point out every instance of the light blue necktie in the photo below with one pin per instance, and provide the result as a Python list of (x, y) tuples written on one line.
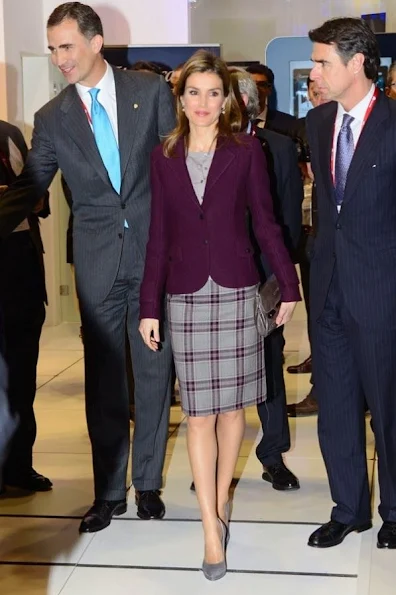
[(345, 149), (106, 140)]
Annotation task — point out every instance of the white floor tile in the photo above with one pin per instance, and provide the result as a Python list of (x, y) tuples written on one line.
[(64, 337), (33, 580), (61, 431), (118, 582), (53, 362), (41, 540), (253, 546), (260, 550), (72, 492), (42, 380)]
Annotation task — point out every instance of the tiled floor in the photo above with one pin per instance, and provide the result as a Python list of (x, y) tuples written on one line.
[(41, 552)]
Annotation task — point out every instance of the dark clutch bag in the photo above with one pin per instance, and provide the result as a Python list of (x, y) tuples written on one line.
[(268, 301)]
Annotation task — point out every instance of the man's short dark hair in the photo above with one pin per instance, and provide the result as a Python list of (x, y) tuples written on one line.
[(262, 69), (87, 19), (350, 36), (145, 66), (309, 81)]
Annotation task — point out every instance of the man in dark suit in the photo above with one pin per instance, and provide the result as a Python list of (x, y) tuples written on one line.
[(22, 298), (269, 118), (308, 406), (287, 195), (7, 422), (100, 132), (353, 280)]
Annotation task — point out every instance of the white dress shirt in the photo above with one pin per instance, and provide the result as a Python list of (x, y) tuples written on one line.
[(106, 97), (358, 113)]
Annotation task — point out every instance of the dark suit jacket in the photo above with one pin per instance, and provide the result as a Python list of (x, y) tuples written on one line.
[(361, 240), (62, 138), (280, 122), (285, 183), (7, 177), (189, 242)]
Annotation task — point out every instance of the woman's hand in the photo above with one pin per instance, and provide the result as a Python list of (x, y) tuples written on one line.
[(285, 312), (149, 329)]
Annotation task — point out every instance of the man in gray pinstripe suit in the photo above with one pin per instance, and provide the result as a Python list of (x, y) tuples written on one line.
[(110, 234)]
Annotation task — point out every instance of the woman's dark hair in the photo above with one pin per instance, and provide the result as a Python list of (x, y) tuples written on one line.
[(230, 118), (87, 19), (350, 36)]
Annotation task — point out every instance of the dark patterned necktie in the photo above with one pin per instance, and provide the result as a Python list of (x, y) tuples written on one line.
[(345, 149)]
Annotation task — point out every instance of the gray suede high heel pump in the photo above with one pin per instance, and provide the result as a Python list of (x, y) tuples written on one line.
[(214, 572)]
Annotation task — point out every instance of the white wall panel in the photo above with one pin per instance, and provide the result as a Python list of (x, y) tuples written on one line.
[(244, 28)]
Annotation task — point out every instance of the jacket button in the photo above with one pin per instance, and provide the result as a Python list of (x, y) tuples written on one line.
[(206, 242), (247, 250), (120, 236), (123, 207), (338, 226), (201, 216)]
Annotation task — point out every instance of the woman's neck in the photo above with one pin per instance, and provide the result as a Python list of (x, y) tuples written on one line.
[(202, 139)]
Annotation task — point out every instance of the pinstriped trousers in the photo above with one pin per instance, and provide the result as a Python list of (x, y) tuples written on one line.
[(107, 401), (352, 363)]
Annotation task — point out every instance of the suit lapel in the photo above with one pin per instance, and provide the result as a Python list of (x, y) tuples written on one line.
[(128, 101), (366, 146), (76, 125), (325, 144), (222, 159), (179, 167)]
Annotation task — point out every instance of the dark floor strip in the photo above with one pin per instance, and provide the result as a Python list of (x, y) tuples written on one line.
[(175, 520), (178, 569)]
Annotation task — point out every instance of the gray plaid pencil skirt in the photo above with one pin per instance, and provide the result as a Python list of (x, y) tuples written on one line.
[(218, 354)]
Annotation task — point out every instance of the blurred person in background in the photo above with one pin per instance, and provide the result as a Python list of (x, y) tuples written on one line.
[(22, 300), (287, 195)]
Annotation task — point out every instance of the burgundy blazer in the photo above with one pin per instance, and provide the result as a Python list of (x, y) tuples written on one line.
[(189, 242)]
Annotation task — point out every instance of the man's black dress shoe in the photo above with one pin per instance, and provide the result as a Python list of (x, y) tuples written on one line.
[(149, 505), (387, 536), (100, 514), (304, 368), (30, 481), (333, 533), (280, 477)]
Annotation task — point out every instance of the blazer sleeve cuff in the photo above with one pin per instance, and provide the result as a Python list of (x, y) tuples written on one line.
[(149, 310), (290, 293)]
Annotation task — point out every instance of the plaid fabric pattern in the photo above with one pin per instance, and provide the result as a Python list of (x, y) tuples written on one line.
[(219, 356)]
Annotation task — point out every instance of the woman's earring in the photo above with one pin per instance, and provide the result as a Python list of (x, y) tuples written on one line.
[(223, 110), (182, 106)]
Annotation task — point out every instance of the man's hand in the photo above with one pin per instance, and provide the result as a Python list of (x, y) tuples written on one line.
[(149, 329), (285, 312), (3, 189)]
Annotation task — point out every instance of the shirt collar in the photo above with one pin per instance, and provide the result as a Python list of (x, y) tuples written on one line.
[(359, 111), (106, 84)]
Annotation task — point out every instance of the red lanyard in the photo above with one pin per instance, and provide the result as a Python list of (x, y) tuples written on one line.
[(366, 115), (87, 112)]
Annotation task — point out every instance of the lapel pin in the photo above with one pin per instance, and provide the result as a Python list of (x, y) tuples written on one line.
[(135, 105)]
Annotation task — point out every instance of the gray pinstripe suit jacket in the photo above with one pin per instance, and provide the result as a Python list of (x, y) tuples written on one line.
[(361, 239), (62, 138)]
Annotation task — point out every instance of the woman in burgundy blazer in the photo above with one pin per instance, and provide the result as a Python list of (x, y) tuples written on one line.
[(204, 180)]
